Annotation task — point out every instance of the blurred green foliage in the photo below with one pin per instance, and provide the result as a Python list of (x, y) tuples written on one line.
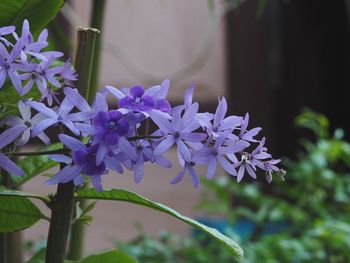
[(312, 205)]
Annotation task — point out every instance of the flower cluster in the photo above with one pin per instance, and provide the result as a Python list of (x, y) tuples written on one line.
[(119, 136), (25, 64)]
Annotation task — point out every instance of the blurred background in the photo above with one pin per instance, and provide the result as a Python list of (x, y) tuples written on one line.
[(270, 58)]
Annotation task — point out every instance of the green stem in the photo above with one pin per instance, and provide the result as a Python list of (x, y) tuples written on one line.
[(96, 21), (63, 202), (76, 245), (3, 258)]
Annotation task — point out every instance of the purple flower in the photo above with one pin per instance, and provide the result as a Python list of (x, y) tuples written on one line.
[(245, 134), (109, 127), (140, 153), (42, 74), (188, 166), (31, 48), (6, 30), (61, 116), (270, 166), (210, 155), (220, 123), (9, 68), (137, 100), (28, 121), (250, 161), (83, 162), (179, 130), (7, 137)]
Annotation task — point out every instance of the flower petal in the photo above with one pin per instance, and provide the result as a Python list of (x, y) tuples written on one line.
[(9, 166), (11, 134)]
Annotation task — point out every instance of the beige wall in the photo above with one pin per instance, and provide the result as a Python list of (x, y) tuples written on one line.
[(150, 40)]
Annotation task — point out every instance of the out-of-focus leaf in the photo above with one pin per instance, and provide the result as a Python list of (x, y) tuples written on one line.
[(34, 165), (39, 257), (38, 12), (9, 98), (17, 213), (127, 196), (109, 257)]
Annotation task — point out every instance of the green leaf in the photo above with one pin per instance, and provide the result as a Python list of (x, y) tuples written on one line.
[(9, 192), (109, 257), (9, 98), (34, 165), (127, 196), (39, 257), (38, 12), (17, 213)]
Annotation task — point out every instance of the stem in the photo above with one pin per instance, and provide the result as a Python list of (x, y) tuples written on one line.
[(63, 203), (76, 245), (59, 151), (62, 209), (84, 58), (97, 15), (3, 249)]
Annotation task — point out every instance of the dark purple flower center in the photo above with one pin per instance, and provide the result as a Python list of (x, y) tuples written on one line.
[(176, 135), (215, 129), (28, 124), (59, 118), (192, 163)]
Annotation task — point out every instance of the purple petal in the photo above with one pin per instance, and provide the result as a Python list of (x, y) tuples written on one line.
[(85, 128), (24, 109), (250, 171), (13, 121), (65, 107), (137, 91), (194, 177), (2, 77), (24, 138), (139, 165), (60, 158), (211, 168), (71, 127), (115, 92), (101, 153), (189, 118), (227, 166), (127, 148), (43, 137), (179, 177), (16, 80), (184, 151), (188, 96), (96, 182), (80, 116), (43, 125), (240, 173), (220, 112), (40, 107), (72, 143), (231, 122), (164, 145), (125, 102), (9, 166), (76, 99), (162, 161), (162, 105), (193, 137), (100, 103), (163, 123), (11, 134)]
